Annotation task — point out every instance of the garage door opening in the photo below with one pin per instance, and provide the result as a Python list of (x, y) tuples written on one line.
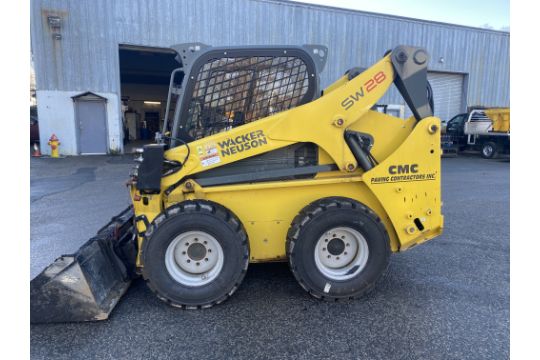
[(144, 83)]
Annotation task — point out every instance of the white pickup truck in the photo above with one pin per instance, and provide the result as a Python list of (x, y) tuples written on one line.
[(487, 130)]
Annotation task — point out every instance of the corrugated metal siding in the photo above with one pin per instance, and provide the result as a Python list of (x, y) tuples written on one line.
[(87, 56)]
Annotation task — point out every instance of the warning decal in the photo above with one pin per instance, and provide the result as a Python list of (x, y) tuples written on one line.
[(208, 154)]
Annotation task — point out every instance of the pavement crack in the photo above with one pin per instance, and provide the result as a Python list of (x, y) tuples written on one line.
[(44, 187)]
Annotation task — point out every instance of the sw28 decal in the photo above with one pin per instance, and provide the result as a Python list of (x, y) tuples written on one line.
[(368, 86)]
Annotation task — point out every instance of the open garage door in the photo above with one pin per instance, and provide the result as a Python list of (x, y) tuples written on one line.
[(144, 80)]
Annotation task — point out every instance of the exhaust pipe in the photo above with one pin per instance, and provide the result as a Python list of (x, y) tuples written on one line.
[(87, 285)]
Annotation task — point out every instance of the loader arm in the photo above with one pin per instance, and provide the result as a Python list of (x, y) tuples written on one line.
[(322, 121)]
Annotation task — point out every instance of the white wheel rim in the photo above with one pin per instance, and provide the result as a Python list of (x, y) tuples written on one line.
[(341, 253), (194, 258), (488, 149)]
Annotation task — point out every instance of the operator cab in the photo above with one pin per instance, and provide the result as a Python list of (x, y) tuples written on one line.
[(228, 87)]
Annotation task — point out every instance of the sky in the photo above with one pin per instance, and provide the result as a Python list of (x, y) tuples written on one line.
[(478, 13)]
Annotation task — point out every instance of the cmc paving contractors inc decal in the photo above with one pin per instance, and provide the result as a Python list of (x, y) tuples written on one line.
[(403, 173), (211, 154)]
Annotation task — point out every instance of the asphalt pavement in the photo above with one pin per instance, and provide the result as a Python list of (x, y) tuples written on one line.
[(446, 299)]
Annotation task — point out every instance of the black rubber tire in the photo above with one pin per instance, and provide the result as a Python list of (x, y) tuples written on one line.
[(199, 215), (319, 217), (489, 154)]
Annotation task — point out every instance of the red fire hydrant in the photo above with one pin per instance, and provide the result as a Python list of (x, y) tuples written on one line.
[(54, 143)]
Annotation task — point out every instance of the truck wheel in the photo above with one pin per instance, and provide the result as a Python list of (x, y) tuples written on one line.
[(489, 150), (337, 248), (195, 254)]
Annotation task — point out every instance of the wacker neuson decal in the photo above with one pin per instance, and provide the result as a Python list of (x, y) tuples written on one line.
[(403, 173), (210, 155), (235, 145)]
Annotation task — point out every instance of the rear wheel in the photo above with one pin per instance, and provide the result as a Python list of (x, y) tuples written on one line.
[(337, 248), (489, 150), (195, 255)]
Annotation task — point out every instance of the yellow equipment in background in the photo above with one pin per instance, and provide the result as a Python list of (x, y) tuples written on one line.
[(259, 165), (500, 118)]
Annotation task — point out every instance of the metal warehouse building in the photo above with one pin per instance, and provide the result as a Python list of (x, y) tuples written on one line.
[(102, 67)]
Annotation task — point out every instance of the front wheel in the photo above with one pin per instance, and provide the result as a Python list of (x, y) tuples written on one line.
[(195, 255), (337, 248)]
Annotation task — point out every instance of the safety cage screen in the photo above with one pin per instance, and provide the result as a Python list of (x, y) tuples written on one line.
[(232, 91)]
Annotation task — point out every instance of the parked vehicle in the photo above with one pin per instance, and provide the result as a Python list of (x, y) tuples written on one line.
[(484, 130), (34, 126), (444, 123)]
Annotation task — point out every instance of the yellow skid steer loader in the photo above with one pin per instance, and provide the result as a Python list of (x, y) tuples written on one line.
[(255, 165)]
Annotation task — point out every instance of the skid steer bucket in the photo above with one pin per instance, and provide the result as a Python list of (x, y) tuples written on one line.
[(87, 285)]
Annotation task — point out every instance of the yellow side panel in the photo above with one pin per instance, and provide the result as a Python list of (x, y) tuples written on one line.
[(267, 210), (150, 211), (408, 182), (388, 132)]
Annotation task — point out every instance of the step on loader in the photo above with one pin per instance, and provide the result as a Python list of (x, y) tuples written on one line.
[(257, 164)]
